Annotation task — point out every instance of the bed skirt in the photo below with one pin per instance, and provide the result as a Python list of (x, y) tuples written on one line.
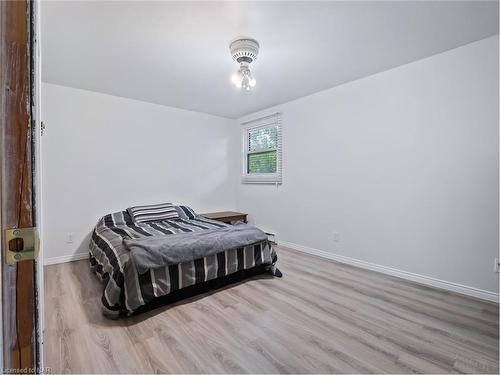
[(172, 283)]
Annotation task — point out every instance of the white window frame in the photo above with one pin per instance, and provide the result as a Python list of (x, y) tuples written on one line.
[(263, 178)]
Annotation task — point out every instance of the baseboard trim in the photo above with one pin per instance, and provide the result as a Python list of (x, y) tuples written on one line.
[(65, 258), (421, 279)]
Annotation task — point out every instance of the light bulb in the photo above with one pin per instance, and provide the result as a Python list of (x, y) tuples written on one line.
[(236, 79), (245, 83)]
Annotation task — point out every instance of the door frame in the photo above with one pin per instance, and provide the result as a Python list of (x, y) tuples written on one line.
[(21, 284), (37, 175)]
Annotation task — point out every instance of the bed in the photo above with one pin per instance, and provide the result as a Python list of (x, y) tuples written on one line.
[(144, 261)]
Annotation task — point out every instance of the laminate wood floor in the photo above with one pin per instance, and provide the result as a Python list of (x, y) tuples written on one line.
[(321, 317)]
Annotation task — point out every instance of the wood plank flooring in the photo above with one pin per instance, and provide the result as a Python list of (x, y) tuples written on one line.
[(321, 317)]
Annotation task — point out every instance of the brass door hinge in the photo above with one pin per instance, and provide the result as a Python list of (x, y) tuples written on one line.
[(21, 244)]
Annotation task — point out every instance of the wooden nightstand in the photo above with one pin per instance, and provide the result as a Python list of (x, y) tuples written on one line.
[(226, 216)]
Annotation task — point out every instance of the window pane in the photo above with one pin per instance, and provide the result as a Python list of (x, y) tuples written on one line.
[(262, 162), (262, 138)]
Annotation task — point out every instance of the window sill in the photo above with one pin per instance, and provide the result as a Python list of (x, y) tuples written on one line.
[(255, 180)]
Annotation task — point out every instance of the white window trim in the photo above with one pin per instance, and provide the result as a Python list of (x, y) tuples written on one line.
[(262, 178)]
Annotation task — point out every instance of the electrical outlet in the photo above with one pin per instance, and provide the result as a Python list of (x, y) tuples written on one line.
[(69, 237), (497, 265), (336, 237)]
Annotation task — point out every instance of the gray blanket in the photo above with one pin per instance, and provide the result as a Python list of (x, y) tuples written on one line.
[(161, 251)]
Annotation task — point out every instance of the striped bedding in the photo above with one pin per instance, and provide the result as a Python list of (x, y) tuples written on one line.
[(155, 212), (126, 290)]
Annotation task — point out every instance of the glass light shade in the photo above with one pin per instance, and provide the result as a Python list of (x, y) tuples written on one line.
[(243, 78)]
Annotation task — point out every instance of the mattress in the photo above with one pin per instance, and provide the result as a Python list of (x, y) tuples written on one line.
[(126, 290)]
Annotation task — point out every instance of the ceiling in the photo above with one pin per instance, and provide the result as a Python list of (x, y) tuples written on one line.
[(177, 54)]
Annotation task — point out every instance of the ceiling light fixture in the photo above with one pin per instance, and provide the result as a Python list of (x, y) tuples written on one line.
[(244, 51)]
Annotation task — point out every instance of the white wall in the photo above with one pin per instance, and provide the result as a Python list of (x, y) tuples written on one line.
[(402, 164), (103, 153)]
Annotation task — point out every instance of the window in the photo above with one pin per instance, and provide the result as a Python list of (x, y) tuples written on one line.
[(262, 150)]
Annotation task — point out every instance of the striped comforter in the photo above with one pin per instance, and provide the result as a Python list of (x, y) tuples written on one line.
[(126, 290)]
